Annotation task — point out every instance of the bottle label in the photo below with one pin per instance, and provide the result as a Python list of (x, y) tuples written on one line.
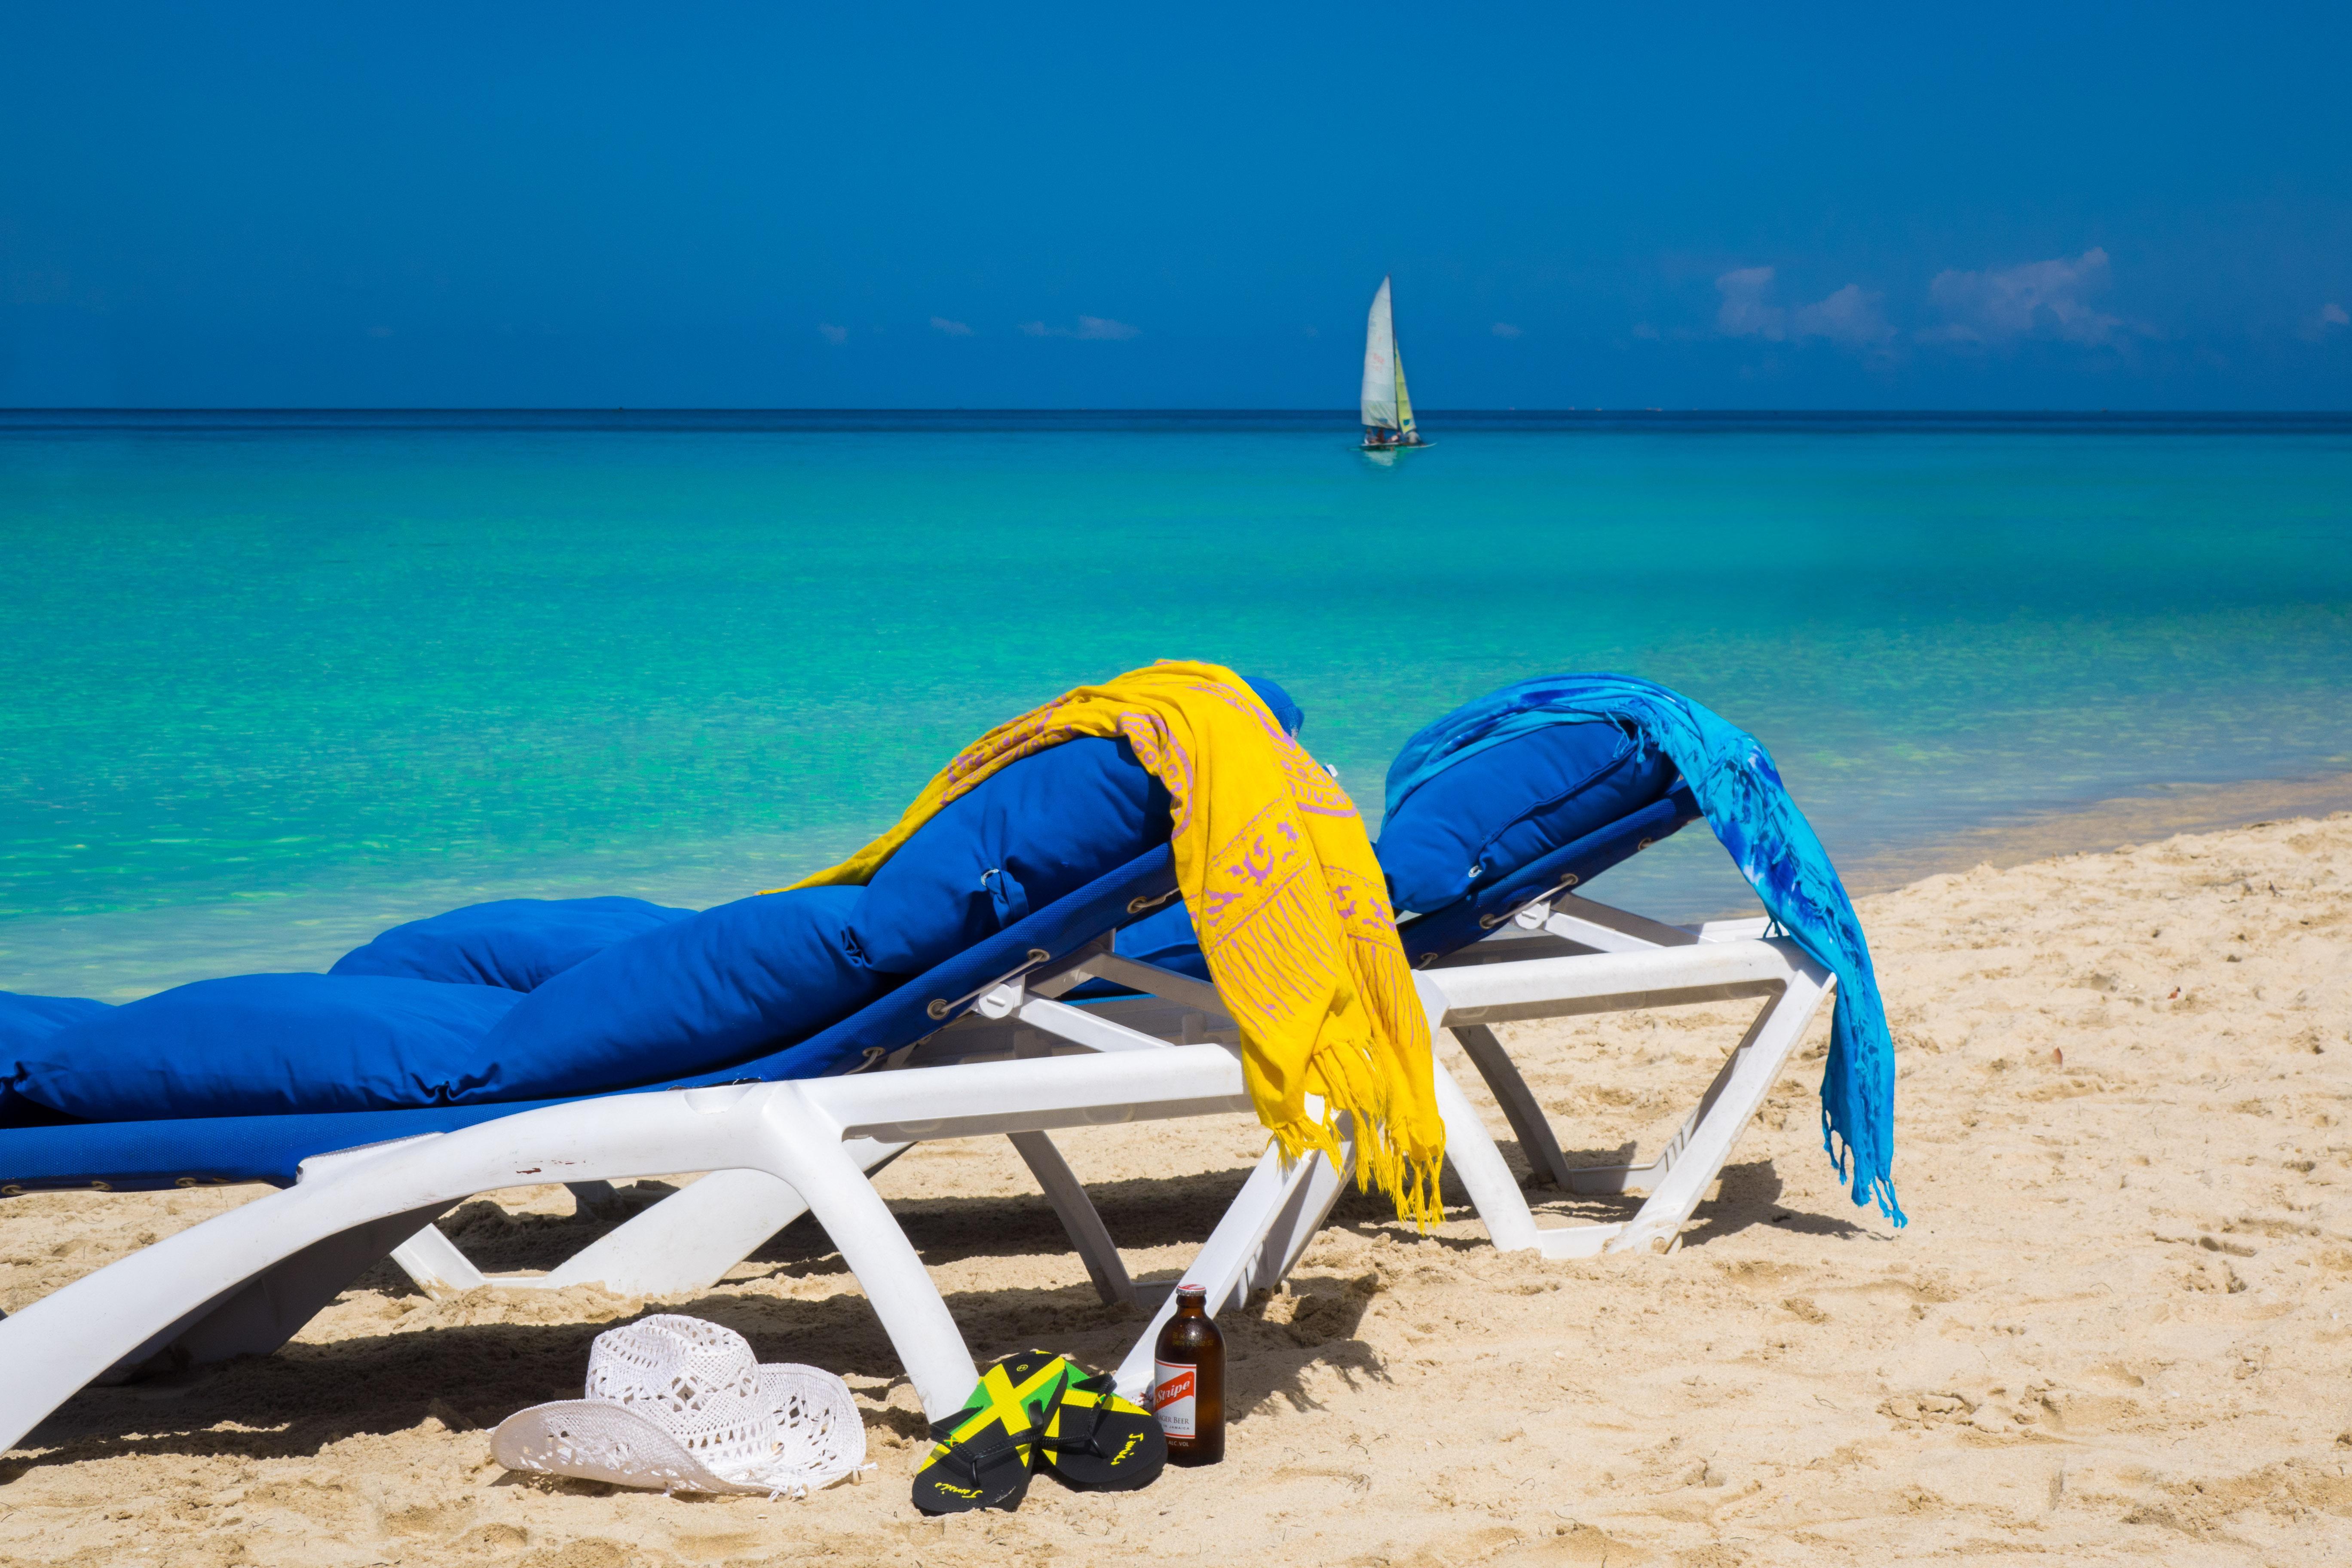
[(1172, 1397)]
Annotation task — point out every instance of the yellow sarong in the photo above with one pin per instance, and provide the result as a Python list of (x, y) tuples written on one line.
[(1289, 903)]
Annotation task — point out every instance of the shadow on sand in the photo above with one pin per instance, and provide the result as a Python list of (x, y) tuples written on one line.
[(307, 1396)]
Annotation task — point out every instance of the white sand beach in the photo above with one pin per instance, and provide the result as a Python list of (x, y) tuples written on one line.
[(2112, 1332)]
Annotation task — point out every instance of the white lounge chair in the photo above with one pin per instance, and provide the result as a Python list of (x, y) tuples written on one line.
[(994, 1050)]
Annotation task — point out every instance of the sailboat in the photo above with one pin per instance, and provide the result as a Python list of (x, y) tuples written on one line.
[(1388, 407)]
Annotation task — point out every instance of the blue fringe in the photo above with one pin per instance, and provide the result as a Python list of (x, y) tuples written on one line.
[(1736, 785)]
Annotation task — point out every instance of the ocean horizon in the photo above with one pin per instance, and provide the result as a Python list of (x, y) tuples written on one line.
[(278, 678), (2287, 421)]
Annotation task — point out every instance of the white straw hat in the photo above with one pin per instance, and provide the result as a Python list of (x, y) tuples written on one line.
[(680, 1403)]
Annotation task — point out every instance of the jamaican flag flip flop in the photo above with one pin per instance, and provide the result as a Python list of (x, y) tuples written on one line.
[(1093, 1438), (981, 1455)]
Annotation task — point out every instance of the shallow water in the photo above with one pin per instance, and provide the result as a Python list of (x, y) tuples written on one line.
[(272, 682)]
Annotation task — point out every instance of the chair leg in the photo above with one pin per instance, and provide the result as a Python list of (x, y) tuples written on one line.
[(685, 1244), (802, 1146), (1602, 1181), (1480, 1166), (1518, 1101), (1078, 1216), (681, 1246), (1680, 1176), (255, 1275), (1272, 1219), (1300, 1218), (592, 1195), (269, 1309), (1706, 1142), (433, 1263)]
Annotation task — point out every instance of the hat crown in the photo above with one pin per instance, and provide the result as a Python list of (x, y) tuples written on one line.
[(691, 1376)]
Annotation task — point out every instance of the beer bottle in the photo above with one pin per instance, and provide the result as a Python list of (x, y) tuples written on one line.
[(1188, 1383)]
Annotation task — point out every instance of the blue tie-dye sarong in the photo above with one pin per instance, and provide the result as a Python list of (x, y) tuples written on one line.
[(1741, 791)]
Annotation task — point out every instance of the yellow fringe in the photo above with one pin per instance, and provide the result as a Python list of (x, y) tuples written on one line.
[(1287, 899)]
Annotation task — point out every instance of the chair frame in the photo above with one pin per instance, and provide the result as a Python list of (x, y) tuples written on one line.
[(1020, 1063)]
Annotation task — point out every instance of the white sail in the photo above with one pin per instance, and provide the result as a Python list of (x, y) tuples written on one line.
[(1379, 364)]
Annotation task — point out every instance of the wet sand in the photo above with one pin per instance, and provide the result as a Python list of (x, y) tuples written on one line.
[(2016, 837)]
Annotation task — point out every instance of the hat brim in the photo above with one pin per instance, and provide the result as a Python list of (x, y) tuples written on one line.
[(594, 1441)]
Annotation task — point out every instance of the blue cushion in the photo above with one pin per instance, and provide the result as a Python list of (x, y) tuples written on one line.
[(686, 994), (29, 1020), (268, 1044), (1037, 830), (519, 943), (26, 1021), (1491, 813), (1287, 713), (689, 996)]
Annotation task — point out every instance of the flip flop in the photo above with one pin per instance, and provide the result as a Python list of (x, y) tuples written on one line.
[(1095, 1439), (981, 1454)]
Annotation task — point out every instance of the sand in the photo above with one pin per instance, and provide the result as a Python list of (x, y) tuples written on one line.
[(2113, 1330)]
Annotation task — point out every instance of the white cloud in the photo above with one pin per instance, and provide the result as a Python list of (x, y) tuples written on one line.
[(1744, 313), (832, 333), (1504, 330), (2328, 317), (1849, 317), (2041, 299), (1096, 329), (952, 328)]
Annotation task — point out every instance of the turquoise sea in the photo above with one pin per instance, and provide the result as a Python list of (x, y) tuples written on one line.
[(273, 680)]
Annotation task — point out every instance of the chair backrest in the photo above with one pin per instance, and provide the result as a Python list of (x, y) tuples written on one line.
[(772, 985), (1488, 905), (938, 997), (1508, 805)]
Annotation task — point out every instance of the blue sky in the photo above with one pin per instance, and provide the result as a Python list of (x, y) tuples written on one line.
[(1690, 206)]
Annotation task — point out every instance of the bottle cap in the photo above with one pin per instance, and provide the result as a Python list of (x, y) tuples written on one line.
[(1198, 1293)]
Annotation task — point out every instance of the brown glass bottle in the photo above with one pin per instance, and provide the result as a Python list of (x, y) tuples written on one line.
[(1188, 1382)]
